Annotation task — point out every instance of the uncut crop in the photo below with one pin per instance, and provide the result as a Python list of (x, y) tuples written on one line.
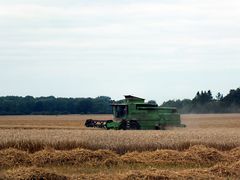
[(68, 132), (60, 147), (120, 141)]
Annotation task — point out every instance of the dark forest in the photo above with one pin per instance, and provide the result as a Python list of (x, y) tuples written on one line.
[(203, 102)]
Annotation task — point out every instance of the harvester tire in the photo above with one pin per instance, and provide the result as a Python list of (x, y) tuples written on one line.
[(134, 125), (123, 125)]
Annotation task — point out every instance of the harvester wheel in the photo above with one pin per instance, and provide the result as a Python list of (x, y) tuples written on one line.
[(123, 125), (134, 125)]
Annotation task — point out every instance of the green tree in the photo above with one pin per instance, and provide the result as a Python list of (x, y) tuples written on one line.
[(219, 96), (152, 102)]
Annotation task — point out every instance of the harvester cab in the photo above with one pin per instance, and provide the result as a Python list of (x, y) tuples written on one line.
[(133, 113), (120, 111)]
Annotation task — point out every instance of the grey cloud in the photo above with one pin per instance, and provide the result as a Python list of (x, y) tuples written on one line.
[(160, 50)]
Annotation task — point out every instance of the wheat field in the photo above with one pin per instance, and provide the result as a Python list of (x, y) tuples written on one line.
[(60, 147)]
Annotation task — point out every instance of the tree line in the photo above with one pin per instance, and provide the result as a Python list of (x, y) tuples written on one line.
[(15, 105), (204, 102)]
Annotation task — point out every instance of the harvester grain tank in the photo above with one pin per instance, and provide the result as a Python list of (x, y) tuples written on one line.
[(135, 114)]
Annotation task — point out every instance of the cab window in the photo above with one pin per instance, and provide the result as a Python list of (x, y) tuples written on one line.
[(121, 111)]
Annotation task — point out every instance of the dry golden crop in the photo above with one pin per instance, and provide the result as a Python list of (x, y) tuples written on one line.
[(47, 122), (196, 155), (68, 132), (198, 161), (120, 141), (61, 147)]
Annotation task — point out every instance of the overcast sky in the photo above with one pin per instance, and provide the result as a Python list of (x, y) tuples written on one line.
[(155, 49)]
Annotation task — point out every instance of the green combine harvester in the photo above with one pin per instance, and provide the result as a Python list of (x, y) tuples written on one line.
[(135, 114)]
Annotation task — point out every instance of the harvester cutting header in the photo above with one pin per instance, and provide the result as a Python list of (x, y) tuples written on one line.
[(135, 114)]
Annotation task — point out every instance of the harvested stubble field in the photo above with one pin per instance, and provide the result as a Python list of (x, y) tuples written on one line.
[(60, 147)]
